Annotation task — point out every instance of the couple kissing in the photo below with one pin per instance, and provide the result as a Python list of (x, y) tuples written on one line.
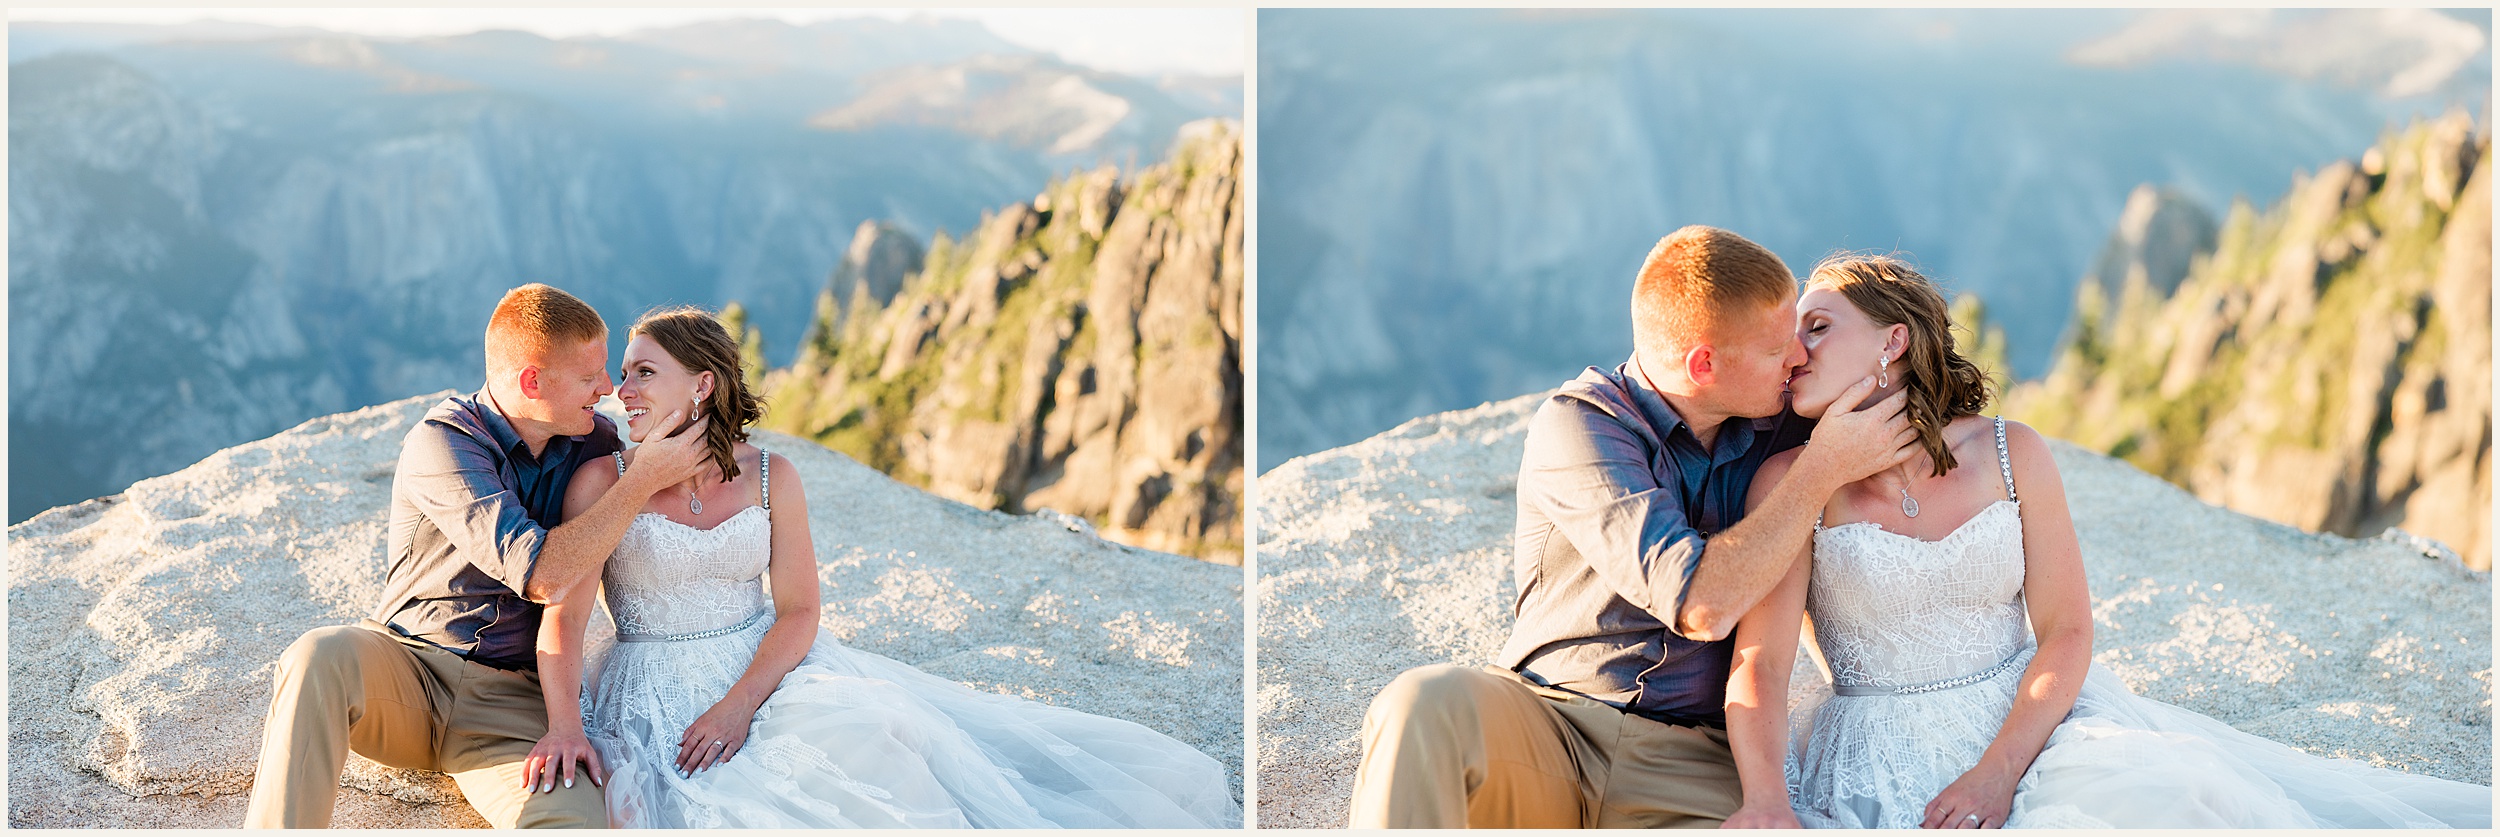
[(1772, 464)]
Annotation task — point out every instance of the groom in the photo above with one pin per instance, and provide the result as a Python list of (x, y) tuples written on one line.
[(444, 675), (1632, 567)]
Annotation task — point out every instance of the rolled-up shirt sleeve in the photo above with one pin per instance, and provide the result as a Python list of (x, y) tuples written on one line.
[(451, 478), (1590, 475)]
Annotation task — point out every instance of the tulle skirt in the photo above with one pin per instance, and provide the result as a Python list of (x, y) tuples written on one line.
[(851, 739), (2118, 760)]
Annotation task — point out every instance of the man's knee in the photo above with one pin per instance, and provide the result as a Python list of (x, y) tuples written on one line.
[(1428, 694), (325, 655)]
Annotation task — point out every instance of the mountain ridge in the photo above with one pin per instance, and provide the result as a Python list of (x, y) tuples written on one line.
[(2324, 362), (1080, 351), (245, 233)]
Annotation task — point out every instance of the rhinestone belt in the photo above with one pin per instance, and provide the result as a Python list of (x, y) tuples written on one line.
[(749, 623), (1923, 688)]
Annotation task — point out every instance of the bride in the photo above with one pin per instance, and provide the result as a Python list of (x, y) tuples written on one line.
[(725, 705), (1946, 709)]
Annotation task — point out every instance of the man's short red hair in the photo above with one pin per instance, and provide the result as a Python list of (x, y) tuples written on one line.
[(533, 320), (1693, 278)]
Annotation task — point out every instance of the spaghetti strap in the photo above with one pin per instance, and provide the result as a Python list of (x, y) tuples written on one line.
[(764, 472), (619, 456), (2005, 463)]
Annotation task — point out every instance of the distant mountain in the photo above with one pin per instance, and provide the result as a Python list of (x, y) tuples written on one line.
[(1452, 203), (1079, 352), (218, 231), (2325, 361), (31, 40), (841, 48), (1024, 100), (2398, 52)]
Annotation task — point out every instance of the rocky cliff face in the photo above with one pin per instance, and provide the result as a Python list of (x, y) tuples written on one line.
[(2159, 236), (143, 627), (1079, 352), (1396, 552), (2326, 364), (251, 228)]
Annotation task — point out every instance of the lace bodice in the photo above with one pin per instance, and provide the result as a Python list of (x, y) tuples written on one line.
[(670, 579), (1928, 644), (1892, 611)]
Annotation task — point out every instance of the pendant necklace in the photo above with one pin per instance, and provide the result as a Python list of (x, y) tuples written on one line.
[(1909, 507)]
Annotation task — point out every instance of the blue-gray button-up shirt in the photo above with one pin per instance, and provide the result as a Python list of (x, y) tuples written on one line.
[(1617, 501), (470, 509)]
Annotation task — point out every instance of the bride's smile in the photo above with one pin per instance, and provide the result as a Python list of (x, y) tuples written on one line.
[(649, 378)]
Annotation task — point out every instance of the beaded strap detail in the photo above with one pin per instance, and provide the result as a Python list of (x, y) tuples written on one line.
[(2005, 464)]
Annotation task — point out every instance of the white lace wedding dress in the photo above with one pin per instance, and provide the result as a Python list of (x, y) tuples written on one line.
[(850, 738), (1926, 641)]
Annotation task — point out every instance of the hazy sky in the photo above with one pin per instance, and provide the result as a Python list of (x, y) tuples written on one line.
[(1126, 40)]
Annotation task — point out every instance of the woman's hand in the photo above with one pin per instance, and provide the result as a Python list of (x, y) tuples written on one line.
[(1980, 799), (713, 738), (1762, 816), (553, 758)]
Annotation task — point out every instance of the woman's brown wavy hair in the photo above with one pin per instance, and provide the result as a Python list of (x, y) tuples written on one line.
[(698, 341), (1939, 383)]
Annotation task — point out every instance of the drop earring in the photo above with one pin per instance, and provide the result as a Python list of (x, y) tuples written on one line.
[(694, 503), (1883, 371)]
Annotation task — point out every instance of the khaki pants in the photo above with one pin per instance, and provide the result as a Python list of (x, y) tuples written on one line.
[(1450, 747), (405, 704)]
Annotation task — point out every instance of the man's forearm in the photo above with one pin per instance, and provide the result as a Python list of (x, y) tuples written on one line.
[(581, 545), (1743, 563)]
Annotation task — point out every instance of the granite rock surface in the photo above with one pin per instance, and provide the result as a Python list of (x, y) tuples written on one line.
[(143, 627), (1395, 552)]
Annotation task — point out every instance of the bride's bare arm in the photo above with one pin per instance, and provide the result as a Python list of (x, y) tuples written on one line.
[(1757, 683), (1757, 702), (795, 605), (2061, 619), (560, 645)]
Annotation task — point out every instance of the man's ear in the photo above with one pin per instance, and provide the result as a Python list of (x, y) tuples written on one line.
[(529, 382), (1700, 365)]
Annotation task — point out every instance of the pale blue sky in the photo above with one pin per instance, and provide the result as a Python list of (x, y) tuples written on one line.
[(1214, 41)]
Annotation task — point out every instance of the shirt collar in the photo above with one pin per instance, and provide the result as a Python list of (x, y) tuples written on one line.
[(1735, 435), (1652, 404), (506, 439)]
